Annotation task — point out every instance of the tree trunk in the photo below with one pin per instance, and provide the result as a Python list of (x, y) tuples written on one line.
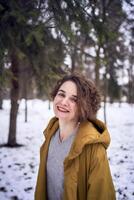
[(1, 83), (26, 102), (14, 99), (73, 59), (97, 67), (25, 109), (105, 96), (49, 105), (1, 100), (105, 115), (1, 103), (130, 85)]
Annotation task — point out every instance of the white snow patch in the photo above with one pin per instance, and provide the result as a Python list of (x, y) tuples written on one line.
[(19, 166)]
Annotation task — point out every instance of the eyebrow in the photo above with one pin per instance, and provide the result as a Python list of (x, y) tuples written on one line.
[(65, 92)]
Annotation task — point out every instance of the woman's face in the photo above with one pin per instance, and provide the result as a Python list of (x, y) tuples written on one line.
[(65, 102)]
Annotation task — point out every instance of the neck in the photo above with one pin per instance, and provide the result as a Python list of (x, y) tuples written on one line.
[(67, 128)]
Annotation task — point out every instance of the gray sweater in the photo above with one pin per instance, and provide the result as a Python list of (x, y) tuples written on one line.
[(55, 170)]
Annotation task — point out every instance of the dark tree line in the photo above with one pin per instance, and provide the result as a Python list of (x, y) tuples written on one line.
[(36, 36)]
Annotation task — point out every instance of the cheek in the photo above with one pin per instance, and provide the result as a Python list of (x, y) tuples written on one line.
[(54, 109), (54, 103), (75, 108), (56, 99)]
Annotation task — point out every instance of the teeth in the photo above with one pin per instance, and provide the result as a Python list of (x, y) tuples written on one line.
[(62, 109)]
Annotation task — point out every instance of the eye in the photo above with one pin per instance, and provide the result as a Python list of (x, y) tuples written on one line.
[(61, 94), (73, 99)]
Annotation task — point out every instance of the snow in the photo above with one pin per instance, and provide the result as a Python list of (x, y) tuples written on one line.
[(19, 166)]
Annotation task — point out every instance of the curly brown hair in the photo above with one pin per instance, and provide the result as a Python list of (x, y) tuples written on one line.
[(89, 98)]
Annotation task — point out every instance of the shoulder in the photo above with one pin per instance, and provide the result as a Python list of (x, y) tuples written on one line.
[(96, 155), (93, 156), (95, 150), (52, 124)]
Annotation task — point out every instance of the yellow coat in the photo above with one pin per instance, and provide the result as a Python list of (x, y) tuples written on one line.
[(86, 170)]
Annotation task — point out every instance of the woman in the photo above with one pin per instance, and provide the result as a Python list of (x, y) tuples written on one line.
[(73, 159)]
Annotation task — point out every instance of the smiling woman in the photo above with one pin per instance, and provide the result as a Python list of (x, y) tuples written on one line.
[(65, 108), (73, 159)]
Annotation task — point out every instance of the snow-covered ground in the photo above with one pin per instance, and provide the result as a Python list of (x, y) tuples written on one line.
[(19, 166)]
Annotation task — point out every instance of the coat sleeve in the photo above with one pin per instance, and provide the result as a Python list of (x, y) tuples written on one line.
[(100, 184)]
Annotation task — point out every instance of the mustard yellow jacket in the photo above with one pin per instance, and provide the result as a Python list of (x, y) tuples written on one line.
[(86, 170)]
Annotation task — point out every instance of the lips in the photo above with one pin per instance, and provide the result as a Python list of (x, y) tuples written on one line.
[(61, 109)]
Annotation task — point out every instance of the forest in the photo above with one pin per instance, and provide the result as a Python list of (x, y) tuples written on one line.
[(42, 40)]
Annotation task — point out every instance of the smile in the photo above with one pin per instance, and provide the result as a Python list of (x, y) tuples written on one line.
[(62, 109)]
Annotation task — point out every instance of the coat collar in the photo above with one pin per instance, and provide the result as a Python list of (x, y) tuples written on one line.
[(88, 133)]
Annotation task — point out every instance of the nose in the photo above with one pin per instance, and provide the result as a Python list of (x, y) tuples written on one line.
[(65, 101)]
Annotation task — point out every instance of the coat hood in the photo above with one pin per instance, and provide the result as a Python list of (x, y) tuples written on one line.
[(89, 132)]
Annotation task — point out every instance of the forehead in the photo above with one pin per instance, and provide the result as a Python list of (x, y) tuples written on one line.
[(69, 87)]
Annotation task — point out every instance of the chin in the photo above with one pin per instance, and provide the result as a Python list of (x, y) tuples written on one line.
[(62, 117)]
